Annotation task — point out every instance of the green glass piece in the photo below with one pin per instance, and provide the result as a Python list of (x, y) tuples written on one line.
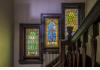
[(71, 19), (32, 42)]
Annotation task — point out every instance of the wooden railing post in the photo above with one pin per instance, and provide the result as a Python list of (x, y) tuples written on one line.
[(62, 53), (73, 55), (78, 45), (85, 40), (69, 54), (94, 42), (91, 19)]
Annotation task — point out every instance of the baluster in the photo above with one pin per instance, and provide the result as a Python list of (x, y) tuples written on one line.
[(47, 58), (94, 42), (85, 40), (69, 58), (73, 54), (69, 55), (52, 56), (83, 54), (64, 43), (62, 53), (78, 45)]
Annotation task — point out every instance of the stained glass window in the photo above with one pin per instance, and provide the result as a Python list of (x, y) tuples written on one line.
[(71, 19), (32, 42), (51, 33)]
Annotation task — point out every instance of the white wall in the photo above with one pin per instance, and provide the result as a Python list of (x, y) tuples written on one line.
[(28, 11)]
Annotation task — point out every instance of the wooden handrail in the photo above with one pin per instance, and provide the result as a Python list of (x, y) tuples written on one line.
[(91, 18), (51, 64), (75, 44)]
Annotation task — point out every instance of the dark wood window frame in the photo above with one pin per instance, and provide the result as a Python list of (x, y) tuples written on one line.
[(51, 15), (81, 14), (24, 59)]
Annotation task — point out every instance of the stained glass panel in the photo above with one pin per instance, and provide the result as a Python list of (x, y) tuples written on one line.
[(51, 32), (32, 42), (71, 19)]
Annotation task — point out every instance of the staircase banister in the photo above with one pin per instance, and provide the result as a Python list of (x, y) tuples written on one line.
[(52, 63), (91, 18)]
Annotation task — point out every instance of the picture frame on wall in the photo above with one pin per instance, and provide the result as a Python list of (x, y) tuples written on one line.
[(73, 15), (30, 44), (51, 27)]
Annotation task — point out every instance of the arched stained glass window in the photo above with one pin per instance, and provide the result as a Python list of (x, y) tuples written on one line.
[(32, 42), (51, 32)]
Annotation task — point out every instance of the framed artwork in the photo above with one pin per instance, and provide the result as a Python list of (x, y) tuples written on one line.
[(51, 24), (30, 43), (73, 15)]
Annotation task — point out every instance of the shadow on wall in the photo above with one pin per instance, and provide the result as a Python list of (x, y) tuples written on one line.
[(22, 12)]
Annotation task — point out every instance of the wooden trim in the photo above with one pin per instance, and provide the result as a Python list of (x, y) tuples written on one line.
[(50, 15), (51, 51), (90, 19), (23, 58)]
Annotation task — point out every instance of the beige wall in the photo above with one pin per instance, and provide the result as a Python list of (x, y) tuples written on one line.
[(89, 44), (6, 24), (89, 4)]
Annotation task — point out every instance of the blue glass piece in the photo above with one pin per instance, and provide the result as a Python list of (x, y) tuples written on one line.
[(52, 32)]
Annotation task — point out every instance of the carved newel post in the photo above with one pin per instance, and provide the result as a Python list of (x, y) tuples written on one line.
[(69, 47)]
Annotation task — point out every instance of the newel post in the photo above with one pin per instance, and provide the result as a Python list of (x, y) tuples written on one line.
[(69, 56)]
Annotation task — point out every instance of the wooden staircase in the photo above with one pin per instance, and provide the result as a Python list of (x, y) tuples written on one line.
[(73, 52)]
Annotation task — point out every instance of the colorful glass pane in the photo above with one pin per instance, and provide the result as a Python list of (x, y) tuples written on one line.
[(71, 19), (51, 32), (32, 42)]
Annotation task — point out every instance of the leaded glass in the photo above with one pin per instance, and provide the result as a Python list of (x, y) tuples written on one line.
[(32, 42), (51, 32), (71, 19)]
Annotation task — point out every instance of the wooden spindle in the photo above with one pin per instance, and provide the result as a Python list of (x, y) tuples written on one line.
[(73, 54), (70, 59), (85, 40), (78, 45), (94, 42)]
